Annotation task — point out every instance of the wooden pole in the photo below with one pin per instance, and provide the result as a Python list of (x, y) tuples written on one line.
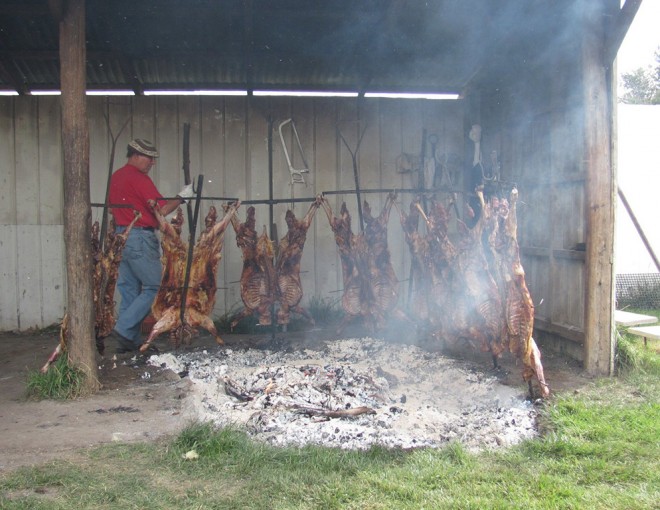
[(77, 209), (600, 194)]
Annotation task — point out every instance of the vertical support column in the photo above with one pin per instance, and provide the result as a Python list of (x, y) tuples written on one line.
[(77, 209), (600, 191)]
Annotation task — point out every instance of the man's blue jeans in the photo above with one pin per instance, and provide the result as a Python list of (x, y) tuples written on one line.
[(138, 283)]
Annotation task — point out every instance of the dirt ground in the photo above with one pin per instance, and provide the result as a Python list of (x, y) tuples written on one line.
[(139, 402)]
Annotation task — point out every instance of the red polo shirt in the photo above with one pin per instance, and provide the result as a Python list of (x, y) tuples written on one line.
[(131, 187)]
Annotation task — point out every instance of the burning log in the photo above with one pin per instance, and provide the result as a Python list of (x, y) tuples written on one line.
[(329, 413), (233, 389)]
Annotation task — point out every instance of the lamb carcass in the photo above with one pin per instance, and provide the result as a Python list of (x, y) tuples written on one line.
[(354, 256), (383, 279), (437, 268), (258, 275), (287, 268), (476, 291), (519, 304), (202, 286), (106, 271), (419, 252), (104, 281)]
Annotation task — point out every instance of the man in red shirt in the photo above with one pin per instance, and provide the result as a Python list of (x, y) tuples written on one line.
[(140, 268)]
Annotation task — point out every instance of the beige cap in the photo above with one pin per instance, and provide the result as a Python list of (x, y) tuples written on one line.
[(143, 146)]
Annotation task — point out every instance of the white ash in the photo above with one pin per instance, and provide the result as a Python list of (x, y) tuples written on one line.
[(419, 398)]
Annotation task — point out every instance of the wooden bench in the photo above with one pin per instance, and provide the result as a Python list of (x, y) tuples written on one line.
[(632, 319), (646, 332)]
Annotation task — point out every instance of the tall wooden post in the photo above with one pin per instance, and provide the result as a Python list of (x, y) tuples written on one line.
[(77, 209), (600, 191)]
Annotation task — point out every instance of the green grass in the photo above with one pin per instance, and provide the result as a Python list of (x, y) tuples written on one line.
[(600, 450), (61, 382)]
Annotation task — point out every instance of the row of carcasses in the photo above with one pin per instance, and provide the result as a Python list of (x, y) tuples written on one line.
[(472, 289)]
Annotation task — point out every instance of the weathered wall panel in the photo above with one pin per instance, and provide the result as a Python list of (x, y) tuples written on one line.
[(50, 156), (541, 149), (26, 150), (236, 185), (29, 276), (228, 144), (328, 279), (9, 278), (7, 164)]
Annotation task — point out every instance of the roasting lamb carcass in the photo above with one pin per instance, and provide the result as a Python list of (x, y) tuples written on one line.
[(446, 312), (202, 281), (474, 282), (519, 304), (382, 277), (287, 269), (419, 252), (354, 256), (258, 275), (106, 271)]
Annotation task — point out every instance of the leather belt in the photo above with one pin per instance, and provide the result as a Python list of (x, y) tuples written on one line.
[(150, 229)]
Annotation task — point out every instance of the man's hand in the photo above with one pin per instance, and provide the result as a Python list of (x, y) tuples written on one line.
[(186, 193)]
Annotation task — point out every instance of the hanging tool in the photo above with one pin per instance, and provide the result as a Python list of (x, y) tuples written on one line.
[(191, 246), (186, 170), (297, 176), (429, 163), (355, 171), (421, 184)]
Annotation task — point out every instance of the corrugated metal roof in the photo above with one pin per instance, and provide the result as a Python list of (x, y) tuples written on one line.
[(393, 45)]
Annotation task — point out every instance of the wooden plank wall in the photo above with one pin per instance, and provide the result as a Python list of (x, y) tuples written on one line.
[(542, 146), (228, 145)]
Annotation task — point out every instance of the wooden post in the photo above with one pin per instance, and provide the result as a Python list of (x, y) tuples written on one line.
[(600, 192), (77, 209)]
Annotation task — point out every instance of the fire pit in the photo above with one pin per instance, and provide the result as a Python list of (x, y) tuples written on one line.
[(354, 394)]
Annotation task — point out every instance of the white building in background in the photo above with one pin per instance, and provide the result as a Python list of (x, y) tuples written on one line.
[(639, 179)]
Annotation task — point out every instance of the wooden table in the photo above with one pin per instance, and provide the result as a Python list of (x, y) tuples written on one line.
[(646, 332), (632, 319)]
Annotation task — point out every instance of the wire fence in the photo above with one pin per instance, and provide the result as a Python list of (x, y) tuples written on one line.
[(638, 290)]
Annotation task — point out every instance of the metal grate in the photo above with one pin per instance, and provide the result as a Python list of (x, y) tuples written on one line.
[(638, 290)]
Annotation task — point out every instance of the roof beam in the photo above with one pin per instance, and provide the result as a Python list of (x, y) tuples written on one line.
[(248, 41), (130, 74), (619, 29), (20, 9), (56, 9), (12, 77)]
